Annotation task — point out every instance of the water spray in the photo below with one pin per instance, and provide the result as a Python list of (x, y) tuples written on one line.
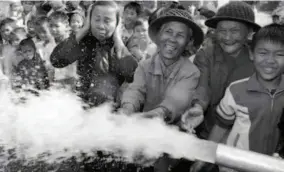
[(55, 123)]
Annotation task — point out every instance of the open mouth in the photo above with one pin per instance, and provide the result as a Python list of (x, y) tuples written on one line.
[(170, 47)]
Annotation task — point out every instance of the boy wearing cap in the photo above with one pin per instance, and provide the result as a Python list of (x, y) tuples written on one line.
[(225, 61), (163, 85)]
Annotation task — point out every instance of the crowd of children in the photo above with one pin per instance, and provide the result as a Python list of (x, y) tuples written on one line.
[(140, 57)]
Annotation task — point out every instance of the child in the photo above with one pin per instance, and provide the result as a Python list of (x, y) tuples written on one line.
[(16, 13), (31, 70), (72, 6), (45, 43), (9, 52), (6, 27), (140, 45), (76, 21), (56, 6), (59, 26), (252, 107), (17, 36), (30, 28), (27, 10), (60, 29), (131, 11)]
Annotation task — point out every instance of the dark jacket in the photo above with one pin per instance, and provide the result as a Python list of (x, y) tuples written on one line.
[(218, 70), (31, 73), (102, 67)]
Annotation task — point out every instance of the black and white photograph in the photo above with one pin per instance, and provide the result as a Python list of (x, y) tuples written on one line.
[(141, 86)]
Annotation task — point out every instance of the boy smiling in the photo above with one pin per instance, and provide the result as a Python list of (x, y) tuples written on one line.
[(252, 107)]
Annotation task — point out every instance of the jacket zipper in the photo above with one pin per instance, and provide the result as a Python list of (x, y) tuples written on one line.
[(272, 98)]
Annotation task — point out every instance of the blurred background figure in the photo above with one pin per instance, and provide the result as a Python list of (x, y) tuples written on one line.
[(74, 5), (76, 19), (57, 5), (278, 15), (131, 12), (16, 12)]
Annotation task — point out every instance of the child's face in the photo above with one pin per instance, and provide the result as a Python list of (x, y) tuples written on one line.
[(43, 32), (6, 31), (58, 28), (129, 15), (28, 5), (268, 59), (27, 51), (76, 22), (141, 30), (103, 22), (15, 10), (16, 38), (30, 28)]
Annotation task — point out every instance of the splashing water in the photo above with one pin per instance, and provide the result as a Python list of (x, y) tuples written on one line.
[(55, 123)]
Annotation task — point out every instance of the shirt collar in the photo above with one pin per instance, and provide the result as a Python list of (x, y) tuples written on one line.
[(157, 69), (221, 55)]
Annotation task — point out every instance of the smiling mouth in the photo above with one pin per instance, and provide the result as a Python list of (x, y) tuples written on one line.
[(170, 47), (269, 70)]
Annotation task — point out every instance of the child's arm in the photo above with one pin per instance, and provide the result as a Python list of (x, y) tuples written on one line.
[(226, 117)]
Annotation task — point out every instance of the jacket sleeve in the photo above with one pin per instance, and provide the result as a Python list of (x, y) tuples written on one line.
[(226, 110), (203, 92), (135, 93), (178, 99), (126, 63), (67, 52)]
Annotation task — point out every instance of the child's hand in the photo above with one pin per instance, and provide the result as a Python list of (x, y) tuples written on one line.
[(87, 25), (192, 118)]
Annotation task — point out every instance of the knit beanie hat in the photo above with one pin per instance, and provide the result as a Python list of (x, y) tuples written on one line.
[(235, 11)]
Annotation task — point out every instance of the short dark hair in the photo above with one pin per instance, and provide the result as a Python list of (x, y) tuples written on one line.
[(134, 5), (59, 15), (8, 21), (27, 41), (273, 32), (41, 20), (139, 22)]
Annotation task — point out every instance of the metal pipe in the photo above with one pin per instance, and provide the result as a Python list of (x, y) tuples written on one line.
[(246, 160)]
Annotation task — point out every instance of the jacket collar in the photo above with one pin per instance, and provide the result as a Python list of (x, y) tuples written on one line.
[(254, 85)]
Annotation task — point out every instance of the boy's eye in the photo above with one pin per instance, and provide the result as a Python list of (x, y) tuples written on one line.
[(280, 54), (262, 53)]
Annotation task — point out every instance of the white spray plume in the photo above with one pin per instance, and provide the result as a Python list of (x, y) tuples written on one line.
[(56, 123)]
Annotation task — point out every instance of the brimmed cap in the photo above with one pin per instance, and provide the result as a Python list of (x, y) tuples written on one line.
[(179, 16), (235, 11)]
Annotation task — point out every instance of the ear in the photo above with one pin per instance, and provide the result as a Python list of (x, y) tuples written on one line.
[(190, 46), (251, 55), (250, 34)]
